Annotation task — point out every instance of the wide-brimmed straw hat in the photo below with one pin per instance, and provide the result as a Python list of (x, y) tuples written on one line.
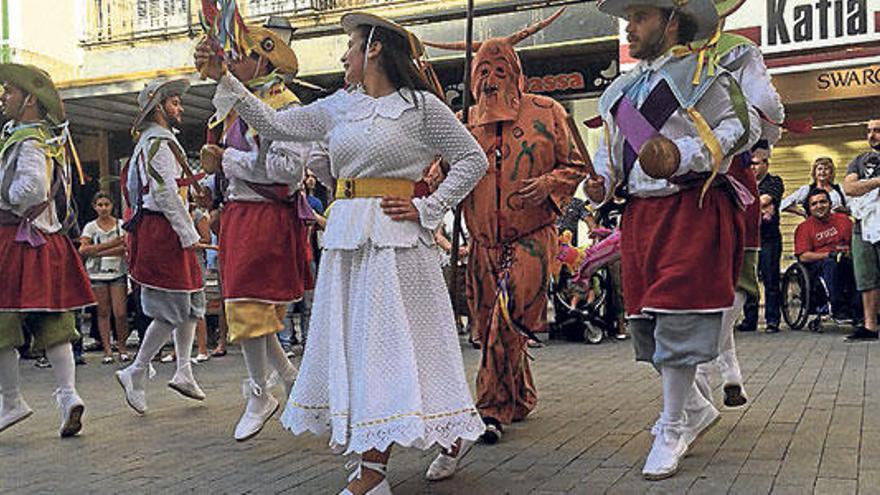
[(268, 44), (35, 81), (352, 20), (727, 7), (702, 12), (154, 93)]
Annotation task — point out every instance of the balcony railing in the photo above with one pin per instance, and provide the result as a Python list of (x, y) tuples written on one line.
[(122, 20)]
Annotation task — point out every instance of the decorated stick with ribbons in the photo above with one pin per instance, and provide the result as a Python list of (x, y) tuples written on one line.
[(465, 111), (226, 30)]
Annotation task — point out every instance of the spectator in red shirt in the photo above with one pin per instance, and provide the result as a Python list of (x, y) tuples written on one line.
[(821, 243)]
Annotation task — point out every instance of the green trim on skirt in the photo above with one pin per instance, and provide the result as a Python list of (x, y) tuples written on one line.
[(48, 329), (748, 274)]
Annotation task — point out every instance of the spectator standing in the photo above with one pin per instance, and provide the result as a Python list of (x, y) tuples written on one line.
[(770, 191), (103, 245), (823, 178), (861, 185)]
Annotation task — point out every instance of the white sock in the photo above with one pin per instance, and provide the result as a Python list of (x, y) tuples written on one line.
[(678, 382), (728, 363), (254, 352), (61, 357), (184, 335), (695, 400), (9, 378), (155, 337), (278, 360)]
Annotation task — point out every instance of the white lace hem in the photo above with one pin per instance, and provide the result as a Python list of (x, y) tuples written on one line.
[(417, 430)]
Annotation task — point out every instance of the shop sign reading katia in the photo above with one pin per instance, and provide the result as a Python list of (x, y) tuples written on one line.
[(804, 24)]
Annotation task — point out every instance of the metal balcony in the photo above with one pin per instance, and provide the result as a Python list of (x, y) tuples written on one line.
[(111, 21)]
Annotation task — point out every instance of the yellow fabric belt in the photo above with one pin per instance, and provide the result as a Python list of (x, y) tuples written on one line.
[(369, 187)]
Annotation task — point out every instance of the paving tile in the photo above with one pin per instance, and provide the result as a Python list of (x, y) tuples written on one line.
[(811, 423)]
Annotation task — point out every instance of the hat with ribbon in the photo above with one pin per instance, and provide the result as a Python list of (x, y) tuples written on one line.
[(154, 93), (37, 82), (269, 43), (702, 12)]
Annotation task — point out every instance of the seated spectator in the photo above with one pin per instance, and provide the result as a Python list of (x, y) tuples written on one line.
[(822, 244), (823, 178)]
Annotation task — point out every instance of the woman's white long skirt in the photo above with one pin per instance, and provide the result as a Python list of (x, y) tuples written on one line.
[(383, 363)]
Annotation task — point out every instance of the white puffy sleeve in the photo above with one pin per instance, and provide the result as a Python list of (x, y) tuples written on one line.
[(165, 193), (446, 136), (30, 186), (285, 162)]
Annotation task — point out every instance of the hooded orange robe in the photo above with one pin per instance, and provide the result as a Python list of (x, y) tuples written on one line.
[(525, 136)]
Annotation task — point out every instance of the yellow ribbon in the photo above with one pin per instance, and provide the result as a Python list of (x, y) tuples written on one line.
[(711, 142), (704, 55)]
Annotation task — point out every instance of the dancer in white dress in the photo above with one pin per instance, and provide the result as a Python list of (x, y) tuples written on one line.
[(383, 364)]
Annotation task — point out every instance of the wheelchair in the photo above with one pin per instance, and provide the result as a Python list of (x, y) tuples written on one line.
[(803, 296)]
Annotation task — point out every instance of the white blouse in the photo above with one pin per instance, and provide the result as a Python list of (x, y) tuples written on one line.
[(394, 136)]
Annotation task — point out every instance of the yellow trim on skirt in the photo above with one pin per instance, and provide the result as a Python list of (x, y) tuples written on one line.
[(251, 319)]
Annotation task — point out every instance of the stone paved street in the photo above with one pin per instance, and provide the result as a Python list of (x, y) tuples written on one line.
[(811, 426)]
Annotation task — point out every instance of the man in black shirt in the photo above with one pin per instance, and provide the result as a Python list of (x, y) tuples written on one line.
[(770, 190)]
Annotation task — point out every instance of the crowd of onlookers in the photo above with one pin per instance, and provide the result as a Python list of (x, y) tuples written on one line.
[(836, 241)]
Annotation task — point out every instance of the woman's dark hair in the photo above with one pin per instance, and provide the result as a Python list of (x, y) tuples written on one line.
[(101, 195), (815, 192), (396, 59)]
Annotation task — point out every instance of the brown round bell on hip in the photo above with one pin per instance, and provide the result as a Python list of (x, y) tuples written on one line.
[(659, 157), (211, 157)]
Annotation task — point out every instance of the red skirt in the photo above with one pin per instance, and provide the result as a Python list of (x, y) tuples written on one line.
[(156, 259), (677, 257), (47, 278), (264, 252)]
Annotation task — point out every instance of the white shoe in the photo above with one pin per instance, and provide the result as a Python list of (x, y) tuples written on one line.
[(72, 409), (201, 358), (261, 405), (668, 449), (444, 465), (186, 386), (698, 421), (13, 412), (133, 387), (382, 488)]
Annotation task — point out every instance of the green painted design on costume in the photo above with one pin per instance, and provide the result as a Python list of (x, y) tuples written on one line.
[(542, 129), (536, 250), (528, 151)]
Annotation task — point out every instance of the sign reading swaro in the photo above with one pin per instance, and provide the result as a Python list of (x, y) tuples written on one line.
[(838, 84), (804, 24)]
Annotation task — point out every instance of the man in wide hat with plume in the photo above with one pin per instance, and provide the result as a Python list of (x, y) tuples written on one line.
[(264, 255), (534, 169), (43, 277), (162, 241), (673, 125)]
